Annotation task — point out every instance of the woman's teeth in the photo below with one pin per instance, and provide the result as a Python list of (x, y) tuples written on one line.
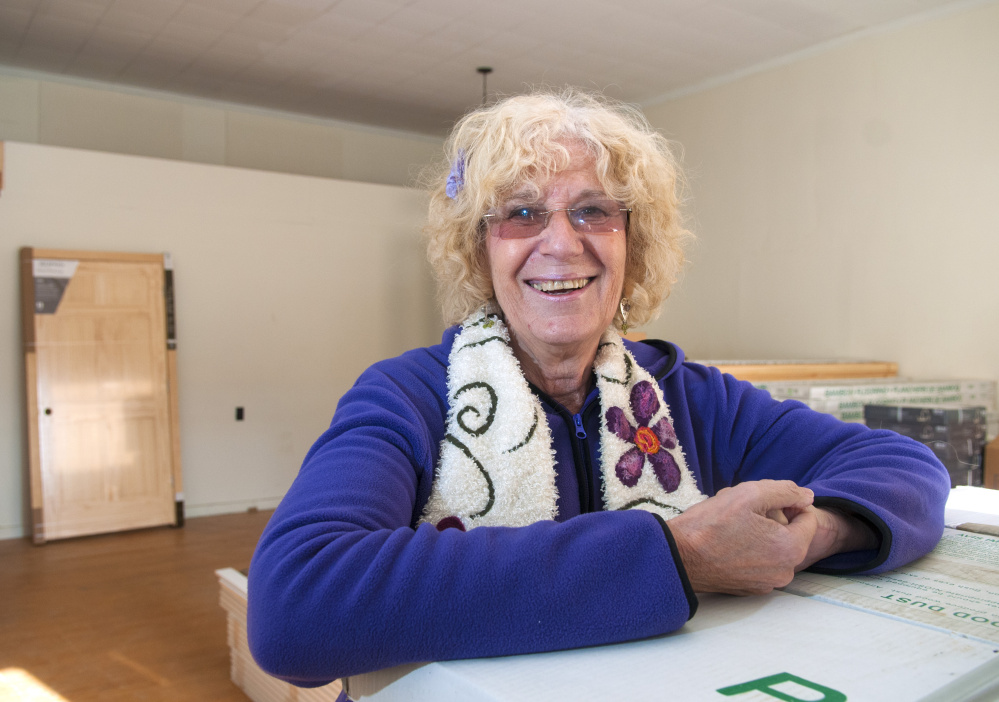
[(557, 285)]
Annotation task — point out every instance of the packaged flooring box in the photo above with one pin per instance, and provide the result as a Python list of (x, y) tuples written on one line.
[(244, 671), (955, 434), (955, 588), (973, 418), (990, 477), (845, 399), (928, 631)]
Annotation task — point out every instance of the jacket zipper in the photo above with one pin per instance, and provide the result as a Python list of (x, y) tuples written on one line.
[(580, 448), (587, 461), (584, 470)]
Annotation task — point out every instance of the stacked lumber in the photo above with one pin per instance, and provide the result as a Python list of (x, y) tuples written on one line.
[(245, 673)]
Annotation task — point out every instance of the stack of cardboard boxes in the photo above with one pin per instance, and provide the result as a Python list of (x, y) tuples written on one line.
[(955, 434), (990, 474), (244, 671), (956, 418)]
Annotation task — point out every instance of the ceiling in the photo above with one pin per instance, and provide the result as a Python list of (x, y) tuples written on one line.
[(411, 64)]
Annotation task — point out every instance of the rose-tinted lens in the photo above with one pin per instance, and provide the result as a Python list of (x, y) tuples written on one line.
[(597, 217)]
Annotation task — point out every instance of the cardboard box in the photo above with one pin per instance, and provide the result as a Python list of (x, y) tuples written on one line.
[(244, 671), (764, 371), (990, 475), (956, 435), (845, 398), (825, 651), (937, 416)]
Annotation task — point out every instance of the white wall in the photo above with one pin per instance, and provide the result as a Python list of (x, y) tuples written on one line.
[(847, 204), (287, 287), (42, 109)]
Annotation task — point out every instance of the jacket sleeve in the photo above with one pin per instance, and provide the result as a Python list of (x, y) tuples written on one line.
[(892, 482), (341, 583)]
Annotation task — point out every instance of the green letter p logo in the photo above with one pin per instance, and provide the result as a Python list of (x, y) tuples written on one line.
[(766, 685)]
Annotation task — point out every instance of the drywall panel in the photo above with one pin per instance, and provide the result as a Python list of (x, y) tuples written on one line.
[(61, 111), (18, 109), (272, 144), (845, 204), (203, 130), (83, 117), (287, 287), (383, 158)]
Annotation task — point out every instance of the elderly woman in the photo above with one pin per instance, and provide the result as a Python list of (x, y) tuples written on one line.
[(534, 482)]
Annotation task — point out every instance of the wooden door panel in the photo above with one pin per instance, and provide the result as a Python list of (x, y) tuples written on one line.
[(102, 405), (103, 469)]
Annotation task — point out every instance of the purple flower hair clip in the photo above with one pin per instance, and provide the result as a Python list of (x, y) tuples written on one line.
[(456, 179)]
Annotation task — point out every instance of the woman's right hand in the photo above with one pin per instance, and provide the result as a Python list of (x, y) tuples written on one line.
[(732, 542)]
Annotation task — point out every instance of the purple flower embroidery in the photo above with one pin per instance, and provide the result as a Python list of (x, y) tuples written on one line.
[(649, 442), (456, 179)]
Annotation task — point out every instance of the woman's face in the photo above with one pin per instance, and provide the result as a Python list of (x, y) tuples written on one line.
[(545, 321)]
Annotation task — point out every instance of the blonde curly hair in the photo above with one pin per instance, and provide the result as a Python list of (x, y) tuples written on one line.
[(523, 140)]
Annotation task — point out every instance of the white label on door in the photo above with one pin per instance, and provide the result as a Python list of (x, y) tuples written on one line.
[(53, 268)]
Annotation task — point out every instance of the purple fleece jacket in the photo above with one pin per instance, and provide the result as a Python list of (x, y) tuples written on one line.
[(342, 583)]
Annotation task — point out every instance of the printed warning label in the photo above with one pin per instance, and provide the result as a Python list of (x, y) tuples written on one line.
[(51, 278)]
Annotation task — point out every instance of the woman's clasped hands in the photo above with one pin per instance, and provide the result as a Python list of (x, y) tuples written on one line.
[(753, 537)]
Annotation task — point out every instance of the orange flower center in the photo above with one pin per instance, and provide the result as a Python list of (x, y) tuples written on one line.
[(646, 440)]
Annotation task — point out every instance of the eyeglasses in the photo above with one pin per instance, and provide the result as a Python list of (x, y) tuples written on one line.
[(591, 217)]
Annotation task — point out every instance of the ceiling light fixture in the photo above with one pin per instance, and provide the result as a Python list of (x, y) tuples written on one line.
[(485, 71)]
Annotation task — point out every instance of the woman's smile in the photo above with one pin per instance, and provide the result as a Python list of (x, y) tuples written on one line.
[(559, 287)]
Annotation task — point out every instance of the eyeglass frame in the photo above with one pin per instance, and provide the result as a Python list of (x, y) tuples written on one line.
[(568, 210)]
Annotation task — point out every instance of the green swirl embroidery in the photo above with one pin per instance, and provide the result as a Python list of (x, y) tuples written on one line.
[(530, 434), (489, 483), (490, 415), (487, 322), (480, 343), (627, 377), (650, 501)]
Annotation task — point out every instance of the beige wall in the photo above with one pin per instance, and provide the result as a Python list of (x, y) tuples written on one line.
[(38, 109), (847, 204), (287, 287)]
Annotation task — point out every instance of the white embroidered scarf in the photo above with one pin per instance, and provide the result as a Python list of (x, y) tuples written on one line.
[(497, 466)]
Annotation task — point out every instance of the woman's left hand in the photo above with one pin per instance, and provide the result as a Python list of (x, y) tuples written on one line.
[(837, 532)]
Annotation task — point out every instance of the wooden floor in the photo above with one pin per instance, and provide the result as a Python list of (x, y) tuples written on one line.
[(131, 616)]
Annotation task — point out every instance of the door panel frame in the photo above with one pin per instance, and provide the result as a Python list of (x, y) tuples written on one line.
[(36, 513)]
